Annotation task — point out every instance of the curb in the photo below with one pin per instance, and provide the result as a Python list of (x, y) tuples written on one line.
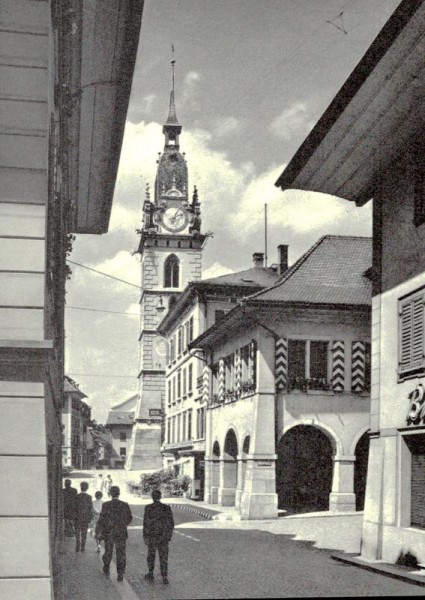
[(194, 510), (386, 569)]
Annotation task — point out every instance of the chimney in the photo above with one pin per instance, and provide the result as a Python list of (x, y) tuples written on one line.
[(282, 251), (258, 258)]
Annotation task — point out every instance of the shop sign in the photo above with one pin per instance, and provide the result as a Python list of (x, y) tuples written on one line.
[(416, 414), (264, 463), (155, 412)]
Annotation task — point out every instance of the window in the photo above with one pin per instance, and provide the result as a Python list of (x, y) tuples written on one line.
[(184, 382), (318, 360), (200, 422), (168, 431), (190, 338), (190, 379), (179, 427), (174, 388), (308, 364), (180, 341), (171, 272), (184, 426), (367, 364), (219, 314), (123, 436), (169, 391), (172, 352), (123, 452), (179, 384), (411, 336), (189, 424), (229, 363)]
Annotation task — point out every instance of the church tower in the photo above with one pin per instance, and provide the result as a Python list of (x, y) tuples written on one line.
[(170, 248)]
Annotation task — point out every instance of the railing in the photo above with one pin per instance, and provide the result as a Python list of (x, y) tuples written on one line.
[(313, 383), (246, 388)]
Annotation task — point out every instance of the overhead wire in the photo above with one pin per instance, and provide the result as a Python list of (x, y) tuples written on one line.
[(115, 312), (104, 274)]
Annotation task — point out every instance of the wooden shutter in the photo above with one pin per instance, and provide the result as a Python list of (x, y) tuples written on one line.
[(412, 334), (281, 363)]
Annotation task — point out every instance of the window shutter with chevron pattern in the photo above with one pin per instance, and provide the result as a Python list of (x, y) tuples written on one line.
[(281, 363), (338, 366), (358, 364)]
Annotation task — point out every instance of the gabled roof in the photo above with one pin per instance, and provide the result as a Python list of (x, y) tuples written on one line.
[(126, 405), (69, 387), (117, 417), (331, 272), (255, 276), (241, 283)]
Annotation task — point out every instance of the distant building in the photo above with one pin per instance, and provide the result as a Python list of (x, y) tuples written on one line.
[(120, 423), (76, 417), (369, 144), (102, 447), (286, 385), (201, 304)]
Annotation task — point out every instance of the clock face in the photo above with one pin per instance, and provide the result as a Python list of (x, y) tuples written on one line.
[(174, 218)]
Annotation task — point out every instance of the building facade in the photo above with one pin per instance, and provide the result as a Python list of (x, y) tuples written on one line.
[(76, 438), (65, 88), (382, 157), (170, 251), (120, 423), (287, 388), (201, 304)]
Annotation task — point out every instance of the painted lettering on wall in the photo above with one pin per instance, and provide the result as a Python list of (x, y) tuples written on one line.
[(416, 414)]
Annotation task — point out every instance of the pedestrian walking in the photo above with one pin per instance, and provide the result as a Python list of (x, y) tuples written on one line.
[(158, 525), (69, 498), (83, 516), (112, 527), (100, 483), (107, 485), (97, 508)]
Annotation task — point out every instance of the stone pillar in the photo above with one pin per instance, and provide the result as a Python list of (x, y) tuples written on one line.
[(259, 498), (342, 497), (228, 482), (241, 480), (212, 480)]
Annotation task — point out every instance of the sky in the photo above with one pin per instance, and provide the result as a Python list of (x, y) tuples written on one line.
[(252, 78)]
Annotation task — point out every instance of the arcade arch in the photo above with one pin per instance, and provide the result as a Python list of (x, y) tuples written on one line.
[(304, 469)]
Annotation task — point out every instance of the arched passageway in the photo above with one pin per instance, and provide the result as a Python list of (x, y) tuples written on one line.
[(304, 470), (229, 470), (360, 470)]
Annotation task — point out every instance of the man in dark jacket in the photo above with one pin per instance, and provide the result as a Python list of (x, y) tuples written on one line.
[(158, 525), (83, 516), (69, 498), (112, 527)]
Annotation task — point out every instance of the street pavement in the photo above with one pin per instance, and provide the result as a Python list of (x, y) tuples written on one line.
[(221, 558)]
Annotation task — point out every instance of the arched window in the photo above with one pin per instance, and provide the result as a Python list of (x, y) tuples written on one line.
[(171, 272)]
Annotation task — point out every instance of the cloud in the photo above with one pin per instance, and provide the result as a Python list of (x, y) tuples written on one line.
[(224, 126), (147, 103), (215, 270), (295, 121), (190, 90)]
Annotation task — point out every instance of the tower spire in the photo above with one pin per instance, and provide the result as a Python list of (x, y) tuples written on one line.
[(172, 115)]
